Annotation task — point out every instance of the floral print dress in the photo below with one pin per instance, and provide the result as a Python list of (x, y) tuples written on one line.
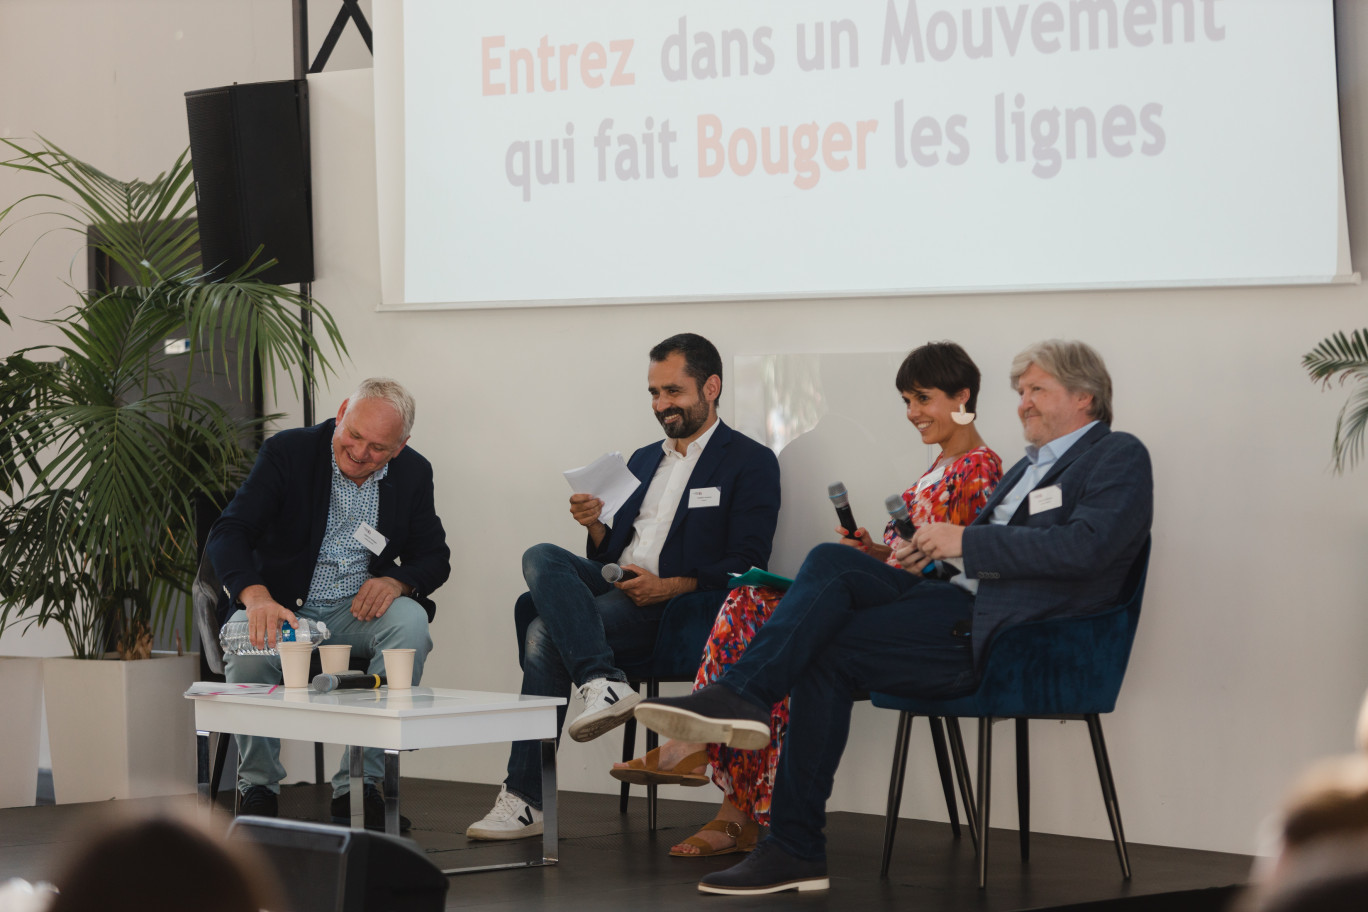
[(955, 495)]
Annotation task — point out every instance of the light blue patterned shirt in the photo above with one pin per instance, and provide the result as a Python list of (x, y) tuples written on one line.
[(343, 562)]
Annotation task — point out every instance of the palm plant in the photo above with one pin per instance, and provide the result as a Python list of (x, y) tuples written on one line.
[(1346, 358), (107, 443)]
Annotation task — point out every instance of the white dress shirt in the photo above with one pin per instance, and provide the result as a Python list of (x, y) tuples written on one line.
[(658, 507)]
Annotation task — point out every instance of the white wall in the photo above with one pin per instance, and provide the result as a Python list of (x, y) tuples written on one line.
[(1250, 659)]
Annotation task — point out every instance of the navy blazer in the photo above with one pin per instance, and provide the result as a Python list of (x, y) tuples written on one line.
[(708, 543), (1070, 560), (271, 532)]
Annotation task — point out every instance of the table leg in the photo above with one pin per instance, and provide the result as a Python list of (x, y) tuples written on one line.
[(549, 829), (357, 771), (202, 770), (550, 849), (392, 792)]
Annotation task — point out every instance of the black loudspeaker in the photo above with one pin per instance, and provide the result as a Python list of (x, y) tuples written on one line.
[(324, 868), (250, 151)]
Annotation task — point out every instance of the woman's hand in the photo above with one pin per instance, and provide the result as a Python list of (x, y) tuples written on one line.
[(862, 541)]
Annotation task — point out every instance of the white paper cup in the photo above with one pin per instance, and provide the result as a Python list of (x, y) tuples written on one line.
[(294, 663), (399, 668), (335, 659)]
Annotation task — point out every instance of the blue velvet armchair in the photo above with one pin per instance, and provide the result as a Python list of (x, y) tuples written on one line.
[(1059, 668)]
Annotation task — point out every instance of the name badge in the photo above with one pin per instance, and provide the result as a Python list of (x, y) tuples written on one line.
[(373, 540), (928, 480), (1044, 499), (704, 497)]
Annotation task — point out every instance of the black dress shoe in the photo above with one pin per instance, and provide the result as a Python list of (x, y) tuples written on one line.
[(258, 801), (374, 804), (769, 869), (710, 715)]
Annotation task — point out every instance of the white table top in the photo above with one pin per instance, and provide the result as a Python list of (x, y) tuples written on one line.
[(397, 720)]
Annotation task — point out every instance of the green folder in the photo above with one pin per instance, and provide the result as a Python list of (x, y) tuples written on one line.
[(757, 577)]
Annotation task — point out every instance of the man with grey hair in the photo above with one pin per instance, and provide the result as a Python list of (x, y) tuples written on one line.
[(336, 523), (1057, 538)]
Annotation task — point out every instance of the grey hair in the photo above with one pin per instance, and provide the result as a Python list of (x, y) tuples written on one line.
[(1076, 365), (390, 391)]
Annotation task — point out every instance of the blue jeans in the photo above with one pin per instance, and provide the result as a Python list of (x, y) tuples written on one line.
[(572, 627), (403, 626), (849, 624)]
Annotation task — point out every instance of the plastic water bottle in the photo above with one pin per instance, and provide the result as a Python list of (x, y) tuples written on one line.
[(234, 639)]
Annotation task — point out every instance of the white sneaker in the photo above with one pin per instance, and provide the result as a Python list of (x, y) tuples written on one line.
[(607, 704), (511, 818)]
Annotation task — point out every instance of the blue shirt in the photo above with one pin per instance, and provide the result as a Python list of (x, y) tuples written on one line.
[(343, 562), (1041, 459)]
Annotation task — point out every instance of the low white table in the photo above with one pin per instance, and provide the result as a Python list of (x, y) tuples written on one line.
[(399, 721)]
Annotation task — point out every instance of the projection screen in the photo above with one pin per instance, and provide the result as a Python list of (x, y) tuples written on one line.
[(539, 152)]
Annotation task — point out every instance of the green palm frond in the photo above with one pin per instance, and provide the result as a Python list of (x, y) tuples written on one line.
[(145, 227), (107, 444), (1344, 357)]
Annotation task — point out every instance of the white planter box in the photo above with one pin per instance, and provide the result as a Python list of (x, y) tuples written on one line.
[(120, 729), (21, 721)]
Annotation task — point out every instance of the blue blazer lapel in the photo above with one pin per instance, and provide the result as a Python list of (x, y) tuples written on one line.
[(1085, 443), (322, 490), (1005, 484), (632, 505), (385, 513)]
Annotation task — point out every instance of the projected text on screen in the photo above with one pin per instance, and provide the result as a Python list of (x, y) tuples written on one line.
[(615, 151)]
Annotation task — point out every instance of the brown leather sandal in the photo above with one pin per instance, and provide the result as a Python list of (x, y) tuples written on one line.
[(645, 770), (744, 835)]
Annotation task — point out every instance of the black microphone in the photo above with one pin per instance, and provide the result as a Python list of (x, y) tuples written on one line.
[(841, 501), (615, 574), (902, 522), (328, 682)]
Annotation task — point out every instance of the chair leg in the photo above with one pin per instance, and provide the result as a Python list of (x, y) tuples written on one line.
[(985, 771), (1023, 773), (943, 766), (1104, 776), (628, 745), (318, 762), (965, 783), (895, 787), (220, 758), (652, 742)]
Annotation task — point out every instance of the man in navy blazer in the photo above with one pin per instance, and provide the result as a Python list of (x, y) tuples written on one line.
[(1056, 539), (705, 507), (335, 523)]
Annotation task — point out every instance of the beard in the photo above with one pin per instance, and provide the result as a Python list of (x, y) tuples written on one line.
[(691, 420)]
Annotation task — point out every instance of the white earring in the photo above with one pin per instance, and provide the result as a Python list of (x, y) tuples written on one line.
[(962, 416)]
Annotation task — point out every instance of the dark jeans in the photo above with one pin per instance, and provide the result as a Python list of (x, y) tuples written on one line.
[(849, 624), (572, 628)]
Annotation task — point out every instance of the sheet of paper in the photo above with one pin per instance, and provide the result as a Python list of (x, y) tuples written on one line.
[(608, 479), (214, 688)]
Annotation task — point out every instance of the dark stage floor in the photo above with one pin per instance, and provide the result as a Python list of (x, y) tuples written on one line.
[(608, 861)]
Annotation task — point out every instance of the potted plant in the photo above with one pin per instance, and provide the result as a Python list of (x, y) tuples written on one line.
[(1346, 358), (20, 719), (109, 444)]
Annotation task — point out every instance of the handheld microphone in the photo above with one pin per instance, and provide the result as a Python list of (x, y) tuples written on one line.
[(902, 522), (841, 501), (615, 574), (325, 683)]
